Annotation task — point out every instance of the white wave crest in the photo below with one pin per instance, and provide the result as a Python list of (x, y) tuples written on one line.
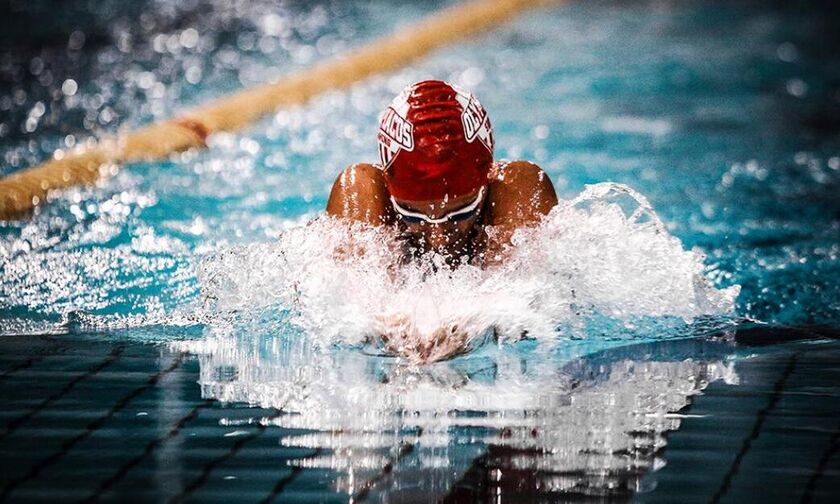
[(604, 254)]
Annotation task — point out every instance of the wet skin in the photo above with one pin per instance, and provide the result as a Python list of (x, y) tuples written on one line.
[(518, 194)]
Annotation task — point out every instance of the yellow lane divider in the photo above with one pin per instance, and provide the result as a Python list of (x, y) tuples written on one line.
[(23, 190)]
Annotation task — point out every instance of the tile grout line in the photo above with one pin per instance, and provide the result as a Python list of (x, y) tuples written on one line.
[(830, 451), (115, 478), (211, 466), (403, 450), (16, 423), (761, 417), (92, 427)]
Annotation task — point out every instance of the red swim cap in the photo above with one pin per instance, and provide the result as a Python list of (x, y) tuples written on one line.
[(435, 140)]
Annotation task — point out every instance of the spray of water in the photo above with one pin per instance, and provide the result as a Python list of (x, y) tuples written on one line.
[(604, 255)]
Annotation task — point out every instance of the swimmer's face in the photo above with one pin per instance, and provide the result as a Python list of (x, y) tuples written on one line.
[(451, 235)]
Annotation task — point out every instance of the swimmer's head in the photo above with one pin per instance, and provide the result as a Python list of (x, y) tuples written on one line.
[(435, 143)]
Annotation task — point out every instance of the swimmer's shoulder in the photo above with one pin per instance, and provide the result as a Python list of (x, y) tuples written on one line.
[(359, 193), (520, 193)]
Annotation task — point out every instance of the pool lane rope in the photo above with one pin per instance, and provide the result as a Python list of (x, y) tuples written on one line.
[(20, 192)]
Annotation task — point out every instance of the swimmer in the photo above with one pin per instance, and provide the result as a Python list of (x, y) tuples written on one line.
[(437, 182)]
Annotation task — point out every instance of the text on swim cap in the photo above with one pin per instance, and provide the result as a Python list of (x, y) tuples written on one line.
[(398, 129), (476, 123)]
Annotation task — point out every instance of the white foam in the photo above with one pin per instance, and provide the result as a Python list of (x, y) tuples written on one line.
[(602, 255)]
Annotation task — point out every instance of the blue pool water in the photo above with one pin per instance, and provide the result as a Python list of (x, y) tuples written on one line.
[(725, 117)]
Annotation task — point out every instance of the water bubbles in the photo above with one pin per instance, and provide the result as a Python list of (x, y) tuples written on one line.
[(188, 38), (329, 44), (228, 57), (159, 43), (540, 132), (69, 87), (274, 24), (124, 42), (19, 96), (36, 66), (145, 80), (173, 43), (303, 54), (471, 77), (787, 52), (249, 145), (267, 45), (158, 92), (749, 170), (37, 110), (106, 116), (708, 209), (193, 74), (796, 87), (30, 125), (246, 41), (76, 40)]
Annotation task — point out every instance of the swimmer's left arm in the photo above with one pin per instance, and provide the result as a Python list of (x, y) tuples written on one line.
[(520, 195)]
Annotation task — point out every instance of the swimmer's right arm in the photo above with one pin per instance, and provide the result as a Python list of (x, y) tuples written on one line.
[(521, 194), (360, 194)]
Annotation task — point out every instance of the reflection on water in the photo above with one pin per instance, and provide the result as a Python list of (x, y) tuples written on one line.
[(502, 419)]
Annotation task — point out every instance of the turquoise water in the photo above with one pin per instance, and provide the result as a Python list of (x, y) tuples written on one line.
[(709, 128), (723, 116)]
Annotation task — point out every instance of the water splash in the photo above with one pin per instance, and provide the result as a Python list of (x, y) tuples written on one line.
[(602, 257)]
